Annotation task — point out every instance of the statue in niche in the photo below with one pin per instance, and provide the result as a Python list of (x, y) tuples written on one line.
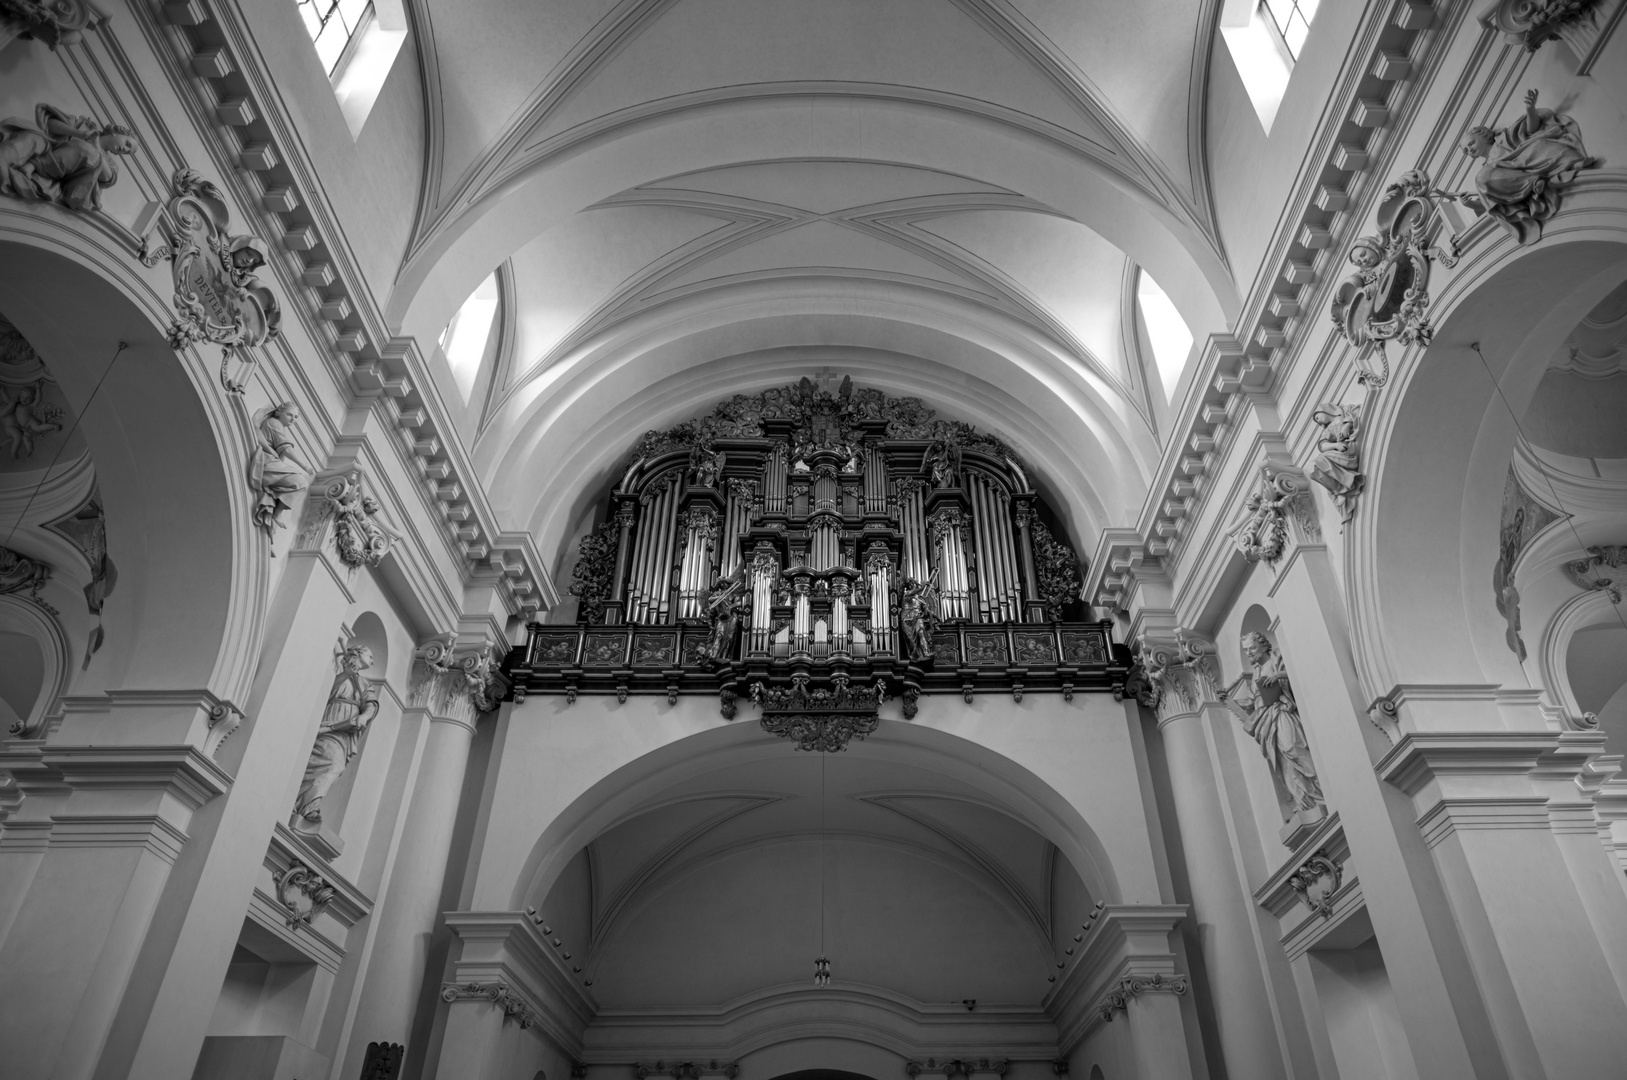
[(706, 466), (1337, 464), (943, 460), (24, 416), (276, 472), (61, 158), (1527, 164), (1264, 701), (727, 603), (918, 616), (352, 704)]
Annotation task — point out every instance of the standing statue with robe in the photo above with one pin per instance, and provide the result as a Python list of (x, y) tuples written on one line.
[(275, 473), (1264, 701), (352, 704)]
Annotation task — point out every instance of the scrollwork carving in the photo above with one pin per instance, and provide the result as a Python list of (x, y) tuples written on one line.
[(514, 1007), (591, 578), (218, 298), (1263, 532), (823, 720), (1316, 882), (360, 535), (1178, 677), (1604, 570), (303, 893), (1057, 567)]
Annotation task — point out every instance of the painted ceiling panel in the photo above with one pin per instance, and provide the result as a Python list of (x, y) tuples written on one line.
[(1139, 56), (822, 187), (492, 56), (930, 44), (820, 244), (564, 274), (1071, 271)]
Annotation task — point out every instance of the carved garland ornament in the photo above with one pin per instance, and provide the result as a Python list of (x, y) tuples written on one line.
[(1057, 568), (514, 1008), (1118, 998), (303, 893), (1263, 533), (360, 536), (595, 567), (1316, 882), (218, 299), (820, 720)]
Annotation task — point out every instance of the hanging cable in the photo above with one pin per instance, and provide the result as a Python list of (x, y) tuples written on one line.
[(822, 965), (78, 414)]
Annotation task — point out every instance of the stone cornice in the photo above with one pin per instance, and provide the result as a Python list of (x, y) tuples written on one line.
[(1125, 940), (506, 947)]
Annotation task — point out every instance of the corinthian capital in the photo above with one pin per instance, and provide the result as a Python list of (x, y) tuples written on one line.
[(452, 682), (1180, 672)]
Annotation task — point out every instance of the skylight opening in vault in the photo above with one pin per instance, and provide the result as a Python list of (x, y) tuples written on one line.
[(464, 340), (1168, 332)]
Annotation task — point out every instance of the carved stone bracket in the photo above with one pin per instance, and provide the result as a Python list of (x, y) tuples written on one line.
[(1316, 881), (1604, 570), (513, 1006), (1118, 998), (303, 893), (1279, 500)]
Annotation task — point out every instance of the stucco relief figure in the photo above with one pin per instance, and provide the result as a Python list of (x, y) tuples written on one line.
[(352, 704), (276, 472), (1527, 164), (1337, 464), (918, 616), (23, 415), (726, 604), (61, 158), (1264, 701)]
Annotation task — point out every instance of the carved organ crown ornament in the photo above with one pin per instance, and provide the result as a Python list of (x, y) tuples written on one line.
[(218, 298), (816, 531)]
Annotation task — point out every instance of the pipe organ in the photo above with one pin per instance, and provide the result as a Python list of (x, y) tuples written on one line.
[(806, 533), (818, 507)]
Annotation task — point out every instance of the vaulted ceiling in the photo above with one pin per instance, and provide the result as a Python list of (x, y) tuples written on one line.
[(692, 198)]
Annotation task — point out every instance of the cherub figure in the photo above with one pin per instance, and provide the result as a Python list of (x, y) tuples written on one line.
[(1527, 163), (25, 416), (61, 158)]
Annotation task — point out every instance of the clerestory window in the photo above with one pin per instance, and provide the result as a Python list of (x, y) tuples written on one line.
[(1265, 38), (333, 24), (1292, 21)]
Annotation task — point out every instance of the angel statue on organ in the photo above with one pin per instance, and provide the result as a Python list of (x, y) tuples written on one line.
[(918, 616)]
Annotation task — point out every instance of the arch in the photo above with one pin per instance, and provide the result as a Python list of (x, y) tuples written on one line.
[(1419, 562), (629, 789), (168, 453), (368, 629), (43, 685), (746, 125)]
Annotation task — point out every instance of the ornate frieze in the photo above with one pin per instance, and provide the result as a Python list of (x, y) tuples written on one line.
[(1131, 986), (513, 1006), (54, 22), (60, 158), (820, 719), (1604, 570), (1528, 164), (1317, 879), (1336, 464), (1279, 498), (218, 298), (303, 893)]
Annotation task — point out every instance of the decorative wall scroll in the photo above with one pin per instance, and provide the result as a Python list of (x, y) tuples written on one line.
[(513, 1006), (276, 472), (1534, 22), (54, 22), (352, 704), (22, 576), (218, 298), (1604, 570), (1523, 517), (360, 535), (1263, 700), (1131, 986), (1316, 882), (1527, 166), (61, 158), (1387, 298), (1337, 462), (1263, 532), (303, 893)]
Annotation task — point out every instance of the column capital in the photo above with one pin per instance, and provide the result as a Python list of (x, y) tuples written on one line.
[(1179, 671), (454, 680)]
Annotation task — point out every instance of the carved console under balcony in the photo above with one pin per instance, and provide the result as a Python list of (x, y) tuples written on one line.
[(805, 545)]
